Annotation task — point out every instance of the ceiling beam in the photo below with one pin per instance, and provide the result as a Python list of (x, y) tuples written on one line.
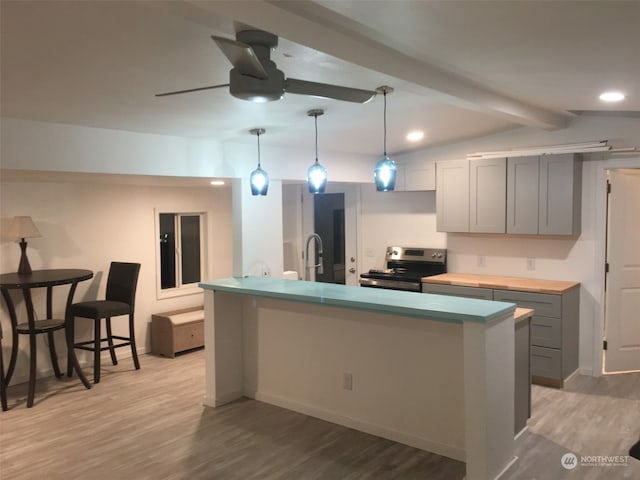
[(319, 28)]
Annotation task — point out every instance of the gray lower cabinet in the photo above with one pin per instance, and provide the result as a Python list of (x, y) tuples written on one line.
[(554, 327), (554, 332)]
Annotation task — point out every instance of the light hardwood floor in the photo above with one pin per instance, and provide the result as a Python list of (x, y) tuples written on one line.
[(150, 424)]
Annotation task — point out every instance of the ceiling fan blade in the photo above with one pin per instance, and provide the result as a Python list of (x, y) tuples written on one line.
[(189, 90), (241, 56), (325, 90)]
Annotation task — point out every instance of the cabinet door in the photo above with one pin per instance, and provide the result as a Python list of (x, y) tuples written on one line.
[(452, 196), (487, 195), (560, 190), (420, 177), (522, 195)]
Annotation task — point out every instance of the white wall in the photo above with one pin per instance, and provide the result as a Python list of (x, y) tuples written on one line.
[(257, 230), (88, 226), (406, 219)]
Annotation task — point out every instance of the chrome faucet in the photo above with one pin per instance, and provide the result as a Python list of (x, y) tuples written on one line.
[(308, 267)]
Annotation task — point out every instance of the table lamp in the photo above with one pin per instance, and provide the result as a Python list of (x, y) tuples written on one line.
[(23, 227)]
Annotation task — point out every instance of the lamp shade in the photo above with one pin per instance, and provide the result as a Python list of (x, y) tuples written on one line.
[(385, 174), (317, 178), (259, 182), (23, 227)]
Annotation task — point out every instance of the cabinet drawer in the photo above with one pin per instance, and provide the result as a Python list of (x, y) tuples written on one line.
[(546, 332), (546, 362), (544, 304), (457, 291)]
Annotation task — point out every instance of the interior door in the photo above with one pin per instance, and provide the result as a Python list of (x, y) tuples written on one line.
[(622, 297)]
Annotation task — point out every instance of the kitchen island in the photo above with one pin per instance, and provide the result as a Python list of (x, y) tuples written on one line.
[(424, 370)]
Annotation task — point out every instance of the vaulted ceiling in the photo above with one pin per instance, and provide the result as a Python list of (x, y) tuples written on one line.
[(459, 69)]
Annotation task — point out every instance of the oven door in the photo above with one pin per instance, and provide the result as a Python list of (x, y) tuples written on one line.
[(390, 284)]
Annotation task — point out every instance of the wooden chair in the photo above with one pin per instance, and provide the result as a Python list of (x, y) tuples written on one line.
[(119, 300)]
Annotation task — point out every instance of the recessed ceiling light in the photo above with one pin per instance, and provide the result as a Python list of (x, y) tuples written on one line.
[(415, 135), (217, 182), (612, 96)]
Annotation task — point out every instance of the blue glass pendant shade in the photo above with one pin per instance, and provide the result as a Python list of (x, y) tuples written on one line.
[(385, 174), (317, 178), (259, 182)]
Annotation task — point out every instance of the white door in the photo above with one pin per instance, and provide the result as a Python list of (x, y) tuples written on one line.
[(622, 298), (351, 195)]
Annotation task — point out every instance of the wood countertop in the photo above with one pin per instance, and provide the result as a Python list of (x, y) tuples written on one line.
[(503, 283), (522, 314)]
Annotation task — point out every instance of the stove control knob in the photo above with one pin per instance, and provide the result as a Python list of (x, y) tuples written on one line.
[(439, 255), (433, 255)]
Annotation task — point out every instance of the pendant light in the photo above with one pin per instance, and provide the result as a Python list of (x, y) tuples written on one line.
[(385, 172), (316, 174), (259, 178)]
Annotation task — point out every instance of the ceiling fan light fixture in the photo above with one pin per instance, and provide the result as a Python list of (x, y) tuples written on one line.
[(257, 90), (384, 174), (259, 178), (316, 174)]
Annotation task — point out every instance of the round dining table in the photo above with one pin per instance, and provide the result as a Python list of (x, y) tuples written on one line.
[(25, 283)]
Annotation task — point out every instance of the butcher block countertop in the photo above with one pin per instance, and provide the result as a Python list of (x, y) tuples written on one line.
[(503, 283), (522, 314)]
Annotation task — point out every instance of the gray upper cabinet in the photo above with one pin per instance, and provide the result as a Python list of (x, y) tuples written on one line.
[(522, 195), (560, 194), (415, 175), (543, 195), (487, 193), (452, 196)]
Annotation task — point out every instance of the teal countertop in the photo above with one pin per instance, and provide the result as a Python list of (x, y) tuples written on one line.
[(411, 304)]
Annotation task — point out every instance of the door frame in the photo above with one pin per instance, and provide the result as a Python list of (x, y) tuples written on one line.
[(607, 282), (600, 257), (351, 193)]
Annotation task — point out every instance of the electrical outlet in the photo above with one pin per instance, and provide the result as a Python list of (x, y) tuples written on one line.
[(531, 263), (347, 381), (481, 261)]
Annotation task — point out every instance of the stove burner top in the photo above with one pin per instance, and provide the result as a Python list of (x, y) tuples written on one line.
[(405, 268)]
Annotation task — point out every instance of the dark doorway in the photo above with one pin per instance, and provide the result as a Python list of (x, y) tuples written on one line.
[(329, 224)]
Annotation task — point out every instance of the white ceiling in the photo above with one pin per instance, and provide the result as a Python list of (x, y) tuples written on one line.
[(459, 68)]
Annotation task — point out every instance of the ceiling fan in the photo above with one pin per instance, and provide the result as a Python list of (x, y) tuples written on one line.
[(256, 78)]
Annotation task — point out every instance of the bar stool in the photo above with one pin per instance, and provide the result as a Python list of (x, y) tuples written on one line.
[(119, 300)]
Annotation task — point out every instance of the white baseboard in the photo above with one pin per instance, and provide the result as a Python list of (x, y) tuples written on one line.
[(366, 427)]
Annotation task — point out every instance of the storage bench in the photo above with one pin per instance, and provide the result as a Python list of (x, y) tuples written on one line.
[(177, 331)]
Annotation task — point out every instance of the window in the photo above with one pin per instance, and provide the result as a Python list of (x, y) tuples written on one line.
[(180, 252)]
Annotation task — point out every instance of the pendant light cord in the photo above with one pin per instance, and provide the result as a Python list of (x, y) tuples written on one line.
[(385, 122), (316, 119), (258, 135)]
